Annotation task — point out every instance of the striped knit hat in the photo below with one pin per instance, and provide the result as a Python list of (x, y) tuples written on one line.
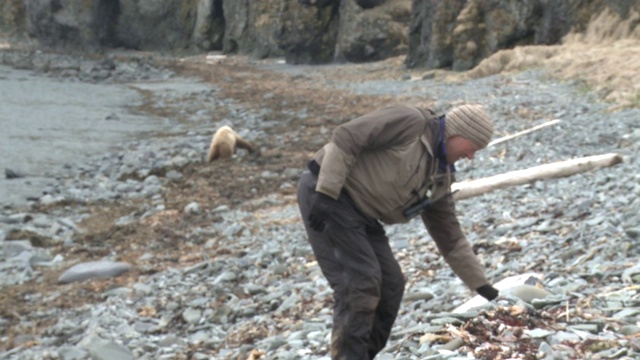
[(470, 122)]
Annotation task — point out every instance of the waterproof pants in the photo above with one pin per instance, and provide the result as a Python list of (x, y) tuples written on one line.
[(354, 255)]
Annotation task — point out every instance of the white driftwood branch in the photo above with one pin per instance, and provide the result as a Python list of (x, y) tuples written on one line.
[(523, 132), (467, 189)]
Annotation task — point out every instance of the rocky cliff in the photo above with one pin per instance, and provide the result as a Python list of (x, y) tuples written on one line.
[(459, 33), (455, 34)]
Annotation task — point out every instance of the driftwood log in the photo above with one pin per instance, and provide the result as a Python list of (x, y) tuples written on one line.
[(467, 189), (523, 132)]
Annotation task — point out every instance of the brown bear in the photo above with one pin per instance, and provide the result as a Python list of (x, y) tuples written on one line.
[(224, 144)]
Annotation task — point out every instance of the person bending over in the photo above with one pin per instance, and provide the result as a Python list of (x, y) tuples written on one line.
[(387, 166)]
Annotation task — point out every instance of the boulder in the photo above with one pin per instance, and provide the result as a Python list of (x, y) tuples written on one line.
[(71, 24), (370, 34), (251, 27), (157, 25), (484, 27), (308, 32)]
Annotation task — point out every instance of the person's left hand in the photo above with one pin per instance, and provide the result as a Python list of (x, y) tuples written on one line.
[(320, 211)]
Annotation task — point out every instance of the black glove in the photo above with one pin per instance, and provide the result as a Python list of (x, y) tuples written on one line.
[(488, 292), (320, 211)]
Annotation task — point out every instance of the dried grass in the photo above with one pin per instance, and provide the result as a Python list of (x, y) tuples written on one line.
[(606, 57)]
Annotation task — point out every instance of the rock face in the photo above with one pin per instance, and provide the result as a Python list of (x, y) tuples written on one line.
[(430, 32), (455, 34), (309, 33), (71, 24), (371, 32), (12, 17), (459, 34), (304, 31), (251, 27), (155, 25)]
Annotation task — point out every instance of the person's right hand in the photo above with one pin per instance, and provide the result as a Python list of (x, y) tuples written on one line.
[(488, 292), (320, 211)]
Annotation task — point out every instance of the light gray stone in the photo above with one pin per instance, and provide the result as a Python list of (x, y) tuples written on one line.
[(94, 269), (110, 351), (13, 248)]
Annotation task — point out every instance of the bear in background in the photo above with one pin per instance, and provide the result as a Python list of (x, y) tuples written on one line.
[(224, 144)]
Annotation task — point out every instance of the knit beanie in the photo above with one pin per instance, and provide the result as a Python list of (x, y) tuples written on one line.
[(471, 122)]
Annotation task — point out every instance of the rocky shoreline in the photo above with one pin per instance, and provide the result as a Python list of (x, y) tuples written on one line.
[(239, 280)]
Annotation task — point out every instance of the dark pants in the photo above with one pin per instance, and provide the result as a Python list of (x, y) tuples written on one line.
[(355, 257)]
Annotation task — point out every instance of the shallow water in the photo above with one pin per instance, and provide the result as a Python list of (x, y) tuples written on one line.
[(46, 123)]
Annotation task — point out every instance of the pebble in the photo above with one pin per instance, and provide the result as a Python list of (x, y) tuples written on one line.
[(93, 269)]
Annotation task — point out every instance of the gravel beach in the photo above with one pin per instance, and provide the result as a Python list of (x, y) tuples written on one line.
[(188, 260)]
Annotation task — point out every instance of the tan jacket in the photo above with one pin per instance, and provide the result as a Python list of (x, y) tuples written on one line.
[(385, 161)]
